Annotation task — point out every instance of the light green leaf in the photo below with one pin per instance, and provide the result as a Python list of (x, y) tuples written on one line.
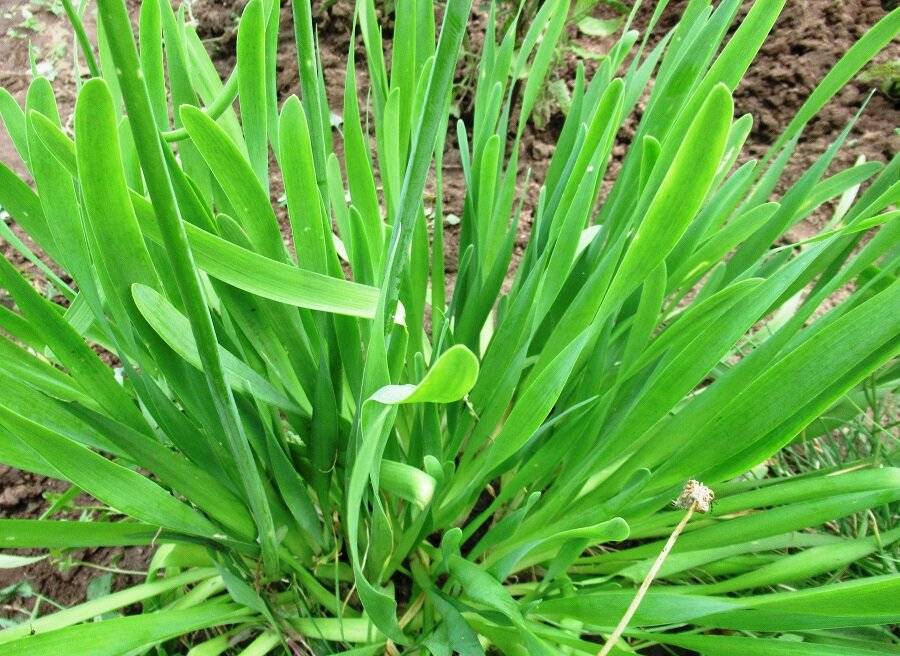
[(451, 378), (175, 330), (8, 561), (600, 27), (124, 634)]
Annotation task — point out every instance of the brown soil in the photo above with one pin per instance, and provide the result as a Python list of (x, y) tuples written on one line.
[(808, 38), (62, 578)]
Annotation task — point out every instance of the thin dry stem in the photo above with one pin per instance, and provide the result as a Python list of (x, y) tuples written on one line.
[(654, 570)]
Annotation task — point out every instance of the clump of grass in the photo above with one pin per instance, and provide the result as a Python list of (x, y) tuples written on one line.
[(886, 75), (332, 452)]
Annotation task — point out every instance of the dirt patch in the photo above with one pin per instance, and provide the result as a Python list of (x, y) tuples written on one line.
[(24, 23), (807, 40), (63, 579)]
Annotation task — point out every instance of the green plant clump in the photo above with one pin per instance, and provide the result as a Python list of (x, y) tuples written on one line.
[(334, 453)]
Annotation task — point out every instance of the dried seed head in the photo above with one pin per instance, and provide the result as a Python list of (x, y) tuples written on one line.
[(695, 494)]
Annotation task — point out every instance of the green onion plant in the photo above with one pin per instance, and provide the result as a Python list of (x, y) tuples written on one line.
[(332, 451)]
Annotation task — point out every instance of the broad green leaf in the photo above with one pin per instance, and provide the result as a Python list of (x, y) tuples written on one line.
[(239, 182), (14, 120), (252, 88), (24, 206), (679, 196), (151, 53), (108, 208), (269, 278), (710, 645), (175, 330), (843, 348), (86, 611), (64, 534), (805, 564), (407, 482), (434, 388), (605, 609), (124, 489), (112, 637), (312, 237), (89, 371), (451, 378)]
